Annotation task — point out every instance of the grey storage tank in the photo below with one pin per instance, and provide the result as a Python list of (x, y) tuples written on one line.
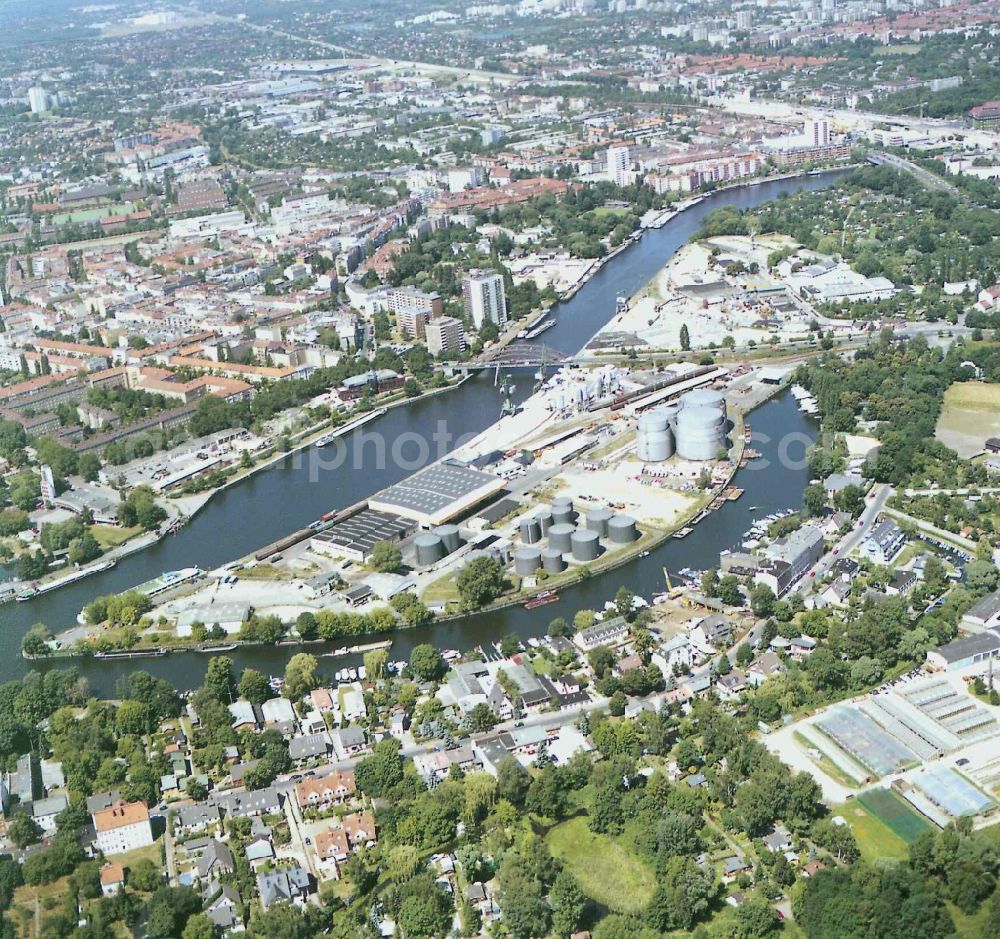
[(527, 561), (430, 548), (700, 433), (562, 510), (586, 545), (531, 530), (560, 538), (552, 561), (622, 530), (450, 535), (598, 518), (544, 517)]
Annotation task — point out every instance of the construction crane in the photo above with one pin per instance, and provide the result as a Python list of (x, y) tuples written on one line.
[(672, 591), (922, 105), (843, 235)]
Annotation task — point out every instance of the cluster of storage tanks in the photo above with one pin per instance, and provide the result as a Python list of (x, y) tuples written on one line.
[(557, 525), (432, 546), (694, 428)]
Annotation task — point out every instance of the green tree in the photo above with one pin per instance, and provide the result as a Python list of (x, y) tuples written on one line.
[(385, 557), (219, 678), (814, 499), (685, 337), (376, 661), (762, 600), (254, 686), (24, 830), (200, 926), (755, 919), (300, 676), (480, 582), (568, 902), (427, 663), (850, 499)]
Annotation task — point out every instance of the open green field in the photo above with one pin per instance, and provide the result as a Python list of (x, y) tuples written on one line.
[(875, 840), (110, 536), (971, 413), (607, 873), (894, 813), (92, 215)]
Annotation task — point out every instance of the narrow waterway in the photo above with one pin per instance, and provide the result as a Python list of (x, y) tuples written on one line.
[(294, 492)]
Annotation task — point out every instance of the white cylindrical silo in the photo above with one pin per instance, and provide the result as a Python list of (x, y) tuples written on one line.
[(655, 446), (704, 398), (654, 440), (651, 421), (700, 433)]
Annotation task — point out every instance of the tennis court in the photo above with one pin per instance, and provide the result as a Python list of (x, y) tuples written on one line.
[(894, 813)]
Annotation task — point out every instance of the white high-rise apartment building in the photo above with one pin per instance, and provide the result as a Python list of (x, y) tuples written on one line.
[(485, 298), (619, 166), (445, 334), (39, 100), (817, 133)]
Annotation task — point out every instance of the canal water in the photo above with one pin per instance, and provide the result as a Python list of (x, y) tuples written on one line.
[(294, 492)]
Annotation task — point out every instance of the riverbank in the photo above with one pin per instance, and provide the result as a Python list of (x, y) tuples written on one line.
[(187, 506), (156, 639), (270, 504)]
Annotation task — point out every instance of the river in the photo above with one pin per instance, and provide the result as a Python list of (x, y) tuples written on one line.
[(292, 493)]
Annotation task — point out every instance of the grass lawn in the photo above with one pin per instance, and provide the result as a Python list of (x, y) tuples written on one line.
[(607, 873), (971, 413), (875, 839), (108, 536), (969, 927), (442, 590), (130, 858), (604, 210)]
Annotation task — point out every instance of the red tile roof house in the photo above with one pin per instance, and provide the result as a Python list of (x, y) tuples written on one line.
[(334, 789), (360, 829)]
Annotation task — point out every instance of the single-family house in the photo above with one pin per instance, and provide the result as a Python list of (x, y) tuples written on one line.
[(287, 884)]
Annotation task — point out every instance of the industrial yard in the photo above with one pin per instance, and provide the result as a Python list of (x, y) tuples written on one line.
[(597, 466), (723, 290)]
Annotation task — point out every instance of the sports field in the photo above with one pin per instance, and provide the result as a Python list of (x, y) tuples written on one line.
[(971, 413), (894, 813)]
